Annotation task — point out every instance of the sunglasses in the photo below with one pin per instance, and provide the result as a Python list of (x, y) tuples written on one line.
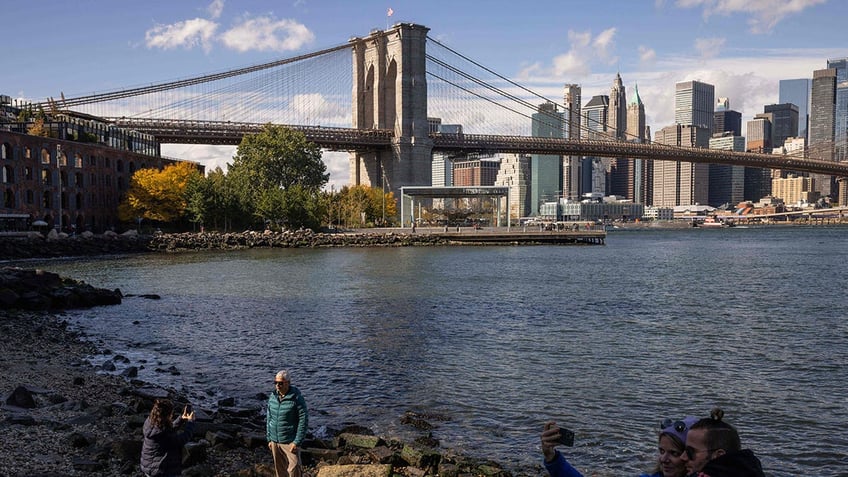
[(691, 452), (679, 426)]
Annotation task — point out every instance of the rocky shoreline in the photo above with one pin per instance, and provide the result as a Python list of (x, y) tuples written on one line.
[(61, 416)]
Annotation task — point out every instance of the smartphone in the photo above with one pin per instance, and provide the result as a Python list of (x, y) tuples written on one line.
[(566, 437)]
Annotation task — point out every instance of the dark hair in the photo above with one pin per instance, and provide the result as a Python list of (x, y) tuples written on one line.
[(160, 415), (719, 434)]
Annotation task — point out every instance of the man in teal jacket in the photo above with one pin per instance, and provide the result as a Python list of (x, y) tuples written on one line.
[(286, 426)]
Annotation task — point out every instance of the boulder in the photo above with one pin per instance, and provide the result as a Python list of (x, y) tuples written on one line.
[(355, 470), (21, 397)]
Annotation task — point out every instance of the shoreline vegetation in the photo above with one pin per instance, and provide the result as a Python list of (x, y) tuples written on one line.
[(60, 415)]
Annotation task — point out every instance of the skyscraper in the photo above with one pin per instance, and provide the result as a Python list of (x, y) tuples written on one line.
[(758, 180), (694, 104), (637, 131), (595, 120), (515, 174), (797, 92), (725, 119), (727, 183), (571, 165), (822, 124), (617, 119), (784, 122), (676, 182), (840, 118), (545, 169), (620, 180)]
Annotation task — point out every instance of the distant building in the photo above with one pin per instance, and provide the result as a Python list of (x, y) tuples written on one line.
[(591, 211), (681, 183), (515, 174), (74, 178), (694, 104), (758, 180), (658, 213), (475, 172), (784, 122), (596, 121), (727, 183), (725, 119), (840, 114), (794, 190), (797, 92), (571, 165), (822, 124), (545, 169), (637, 131)]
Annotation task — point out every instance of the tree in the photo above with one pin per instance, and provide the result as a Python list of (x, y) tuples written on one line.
[(158, 195), (277, 173), (362, 205), (211, 200), (279, 157)]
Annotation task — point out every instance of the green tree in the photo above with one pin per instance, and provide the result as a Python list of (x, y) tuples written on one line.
[(212, 202), (278, 174), (365, 206)]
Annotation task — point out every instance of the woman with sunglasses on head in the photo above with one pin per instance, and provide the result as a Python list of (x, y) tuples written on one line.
[(670, 461), (164, 438)]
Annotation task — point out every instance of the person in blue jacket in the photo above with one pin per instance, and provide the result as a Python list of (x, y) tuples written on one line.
[(286, 424), (164, 438), (670, 450)]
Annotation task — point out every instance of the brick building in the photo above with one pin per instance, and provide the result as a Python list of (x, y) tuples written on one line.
[(74, 179)]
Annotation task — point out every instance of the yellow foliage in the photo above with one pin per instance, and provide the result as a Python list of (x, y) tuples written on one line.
[(158, 195)]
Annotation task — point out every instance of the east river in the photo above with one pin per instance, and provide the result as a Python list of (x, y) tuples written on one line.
[(606, 340)]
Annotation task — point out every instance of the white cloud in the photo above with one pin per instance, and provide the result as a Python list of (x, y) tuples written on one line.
[(215, 9), (647, 55), (267, 34), (186, 34), (576, 63), (763, 14), (709, 47)]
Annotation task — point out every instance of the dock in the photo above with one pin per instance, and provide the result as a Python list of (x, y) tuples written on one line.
[(520, 237)]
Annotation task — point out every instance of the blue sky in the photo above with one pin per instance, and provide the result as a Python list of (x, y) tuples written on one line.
[(743, 47)]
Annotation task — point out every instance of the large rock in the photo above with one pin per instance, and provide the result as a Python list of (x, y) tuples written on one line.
[(355, 470), (21, 397)]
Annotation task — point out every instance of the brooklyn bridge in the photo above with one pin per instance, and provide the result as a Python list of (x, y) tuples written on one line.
[(376, 97)]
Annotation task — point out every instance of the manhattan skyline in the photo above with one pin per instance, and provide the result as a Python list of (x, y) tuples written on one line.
[(743, 50)]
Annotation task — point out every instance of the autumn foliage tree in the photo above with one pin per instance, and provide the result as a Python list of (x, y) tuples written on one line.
[(158, 195)]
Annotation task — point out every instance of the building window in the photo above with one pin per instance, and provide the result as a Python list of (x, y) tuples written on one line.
[(9, 199), (78, 204), (63, 178), (45, 177), (119, 165), (45, 156), (27, 152), (30, 197), (8, 175), (28, 173), (92, 179), (45, 200), (63, 159), (78, 179), (6, 151), (78, 161)]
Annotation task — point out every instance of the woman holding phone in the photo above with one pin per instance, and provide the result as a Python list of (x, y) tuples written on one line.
[(164, 438), (670, 448)]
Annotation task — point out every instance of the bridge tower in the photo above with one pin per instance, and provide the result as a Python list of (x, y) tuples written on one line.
[(390, 92)]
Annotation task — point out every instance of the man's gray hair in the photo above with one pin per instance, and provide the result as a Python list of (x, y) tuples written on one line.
[(283, 375)]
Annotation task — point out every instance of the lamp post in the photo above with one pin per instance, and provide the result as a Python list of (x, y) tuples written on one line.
[(59, 170), (383, 193)]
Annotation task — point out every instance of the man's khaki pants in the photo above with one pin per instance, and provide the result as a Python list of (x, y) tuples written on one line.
[(286, 462)]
